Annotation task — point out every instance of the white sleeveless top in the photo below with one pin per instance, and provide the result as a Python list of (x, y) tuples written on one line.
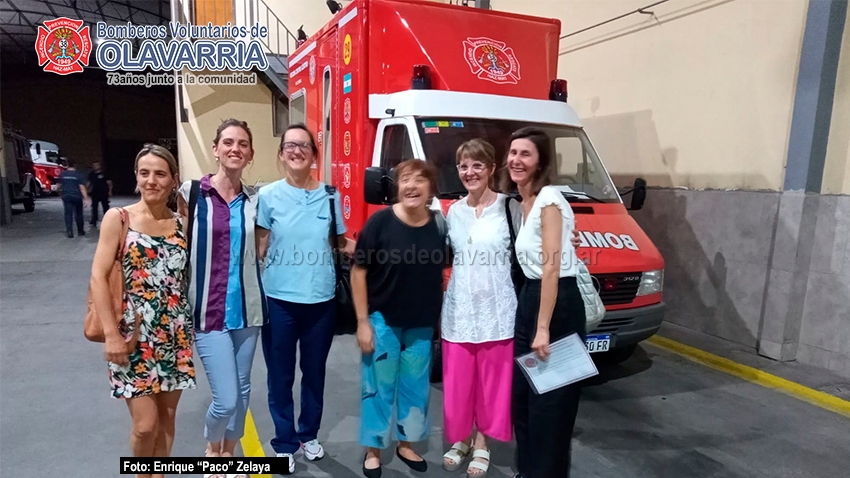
[(480, 302), (529, 240)]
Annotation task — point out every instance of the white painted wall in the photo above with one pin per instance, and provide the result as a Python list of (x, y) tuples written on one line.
[(207, 107), (698, 96), (836, 176)]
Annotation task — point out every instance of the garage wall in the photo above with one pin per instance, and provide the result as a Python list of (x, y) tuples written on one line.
[(836, 176), (89, 119), (698, 96), (207, 107), (294, 13), (699, 99)]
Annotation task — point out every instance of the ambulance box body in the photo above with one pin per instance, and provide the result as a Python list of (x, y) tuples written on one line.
[(390, 80)]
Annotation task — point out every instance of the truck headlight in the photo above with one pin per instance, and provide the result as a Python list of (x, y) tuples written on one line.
[(652, 282)]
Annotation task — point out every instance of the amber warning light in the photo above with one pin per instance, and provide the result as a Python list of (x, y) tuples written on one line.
[(558, 90), (421, 77)]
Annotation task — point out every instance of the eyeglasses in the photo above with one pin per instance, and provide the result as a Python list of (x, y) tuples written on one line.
[(476, 168), (290, 146)]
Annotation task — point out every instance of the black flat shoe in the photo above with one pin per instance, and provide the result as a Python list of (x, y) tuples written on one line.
[(420, 466), (371, 472)]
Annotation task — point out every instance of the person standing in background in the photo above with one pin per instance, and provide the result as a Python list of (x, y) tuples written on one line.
[(101, 191), (74, 194)]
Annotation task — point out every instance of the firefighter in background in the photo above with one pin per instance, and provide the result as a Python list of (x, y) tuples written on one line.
[(74, 194), (100, 187)]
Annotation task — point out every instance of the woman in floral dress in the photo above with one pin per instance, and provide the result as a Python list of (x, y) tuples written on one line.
[(149, 373)]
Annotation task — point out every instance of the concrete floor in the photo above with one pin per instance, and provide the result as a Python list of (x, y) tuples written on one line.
[(658, 415)]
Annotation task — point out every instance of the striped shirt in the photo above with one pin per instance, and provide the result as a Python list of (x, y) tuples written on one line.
[(226, 291)]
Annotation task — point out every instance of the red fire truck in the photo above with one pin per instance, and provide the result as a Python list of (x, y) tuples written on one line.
[(20, 175), (390, 80)]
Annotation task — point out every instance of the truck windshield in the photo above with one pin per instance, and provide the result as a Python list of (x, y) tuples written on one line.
[(579, 173)]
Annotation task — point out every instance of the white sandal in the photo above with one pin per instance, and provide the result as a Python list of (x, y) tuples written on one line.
[(484, 467), (458, 453)]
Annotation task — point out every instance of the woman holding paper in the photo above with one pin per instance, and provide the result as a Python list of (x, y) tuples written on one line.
[(550, 305)]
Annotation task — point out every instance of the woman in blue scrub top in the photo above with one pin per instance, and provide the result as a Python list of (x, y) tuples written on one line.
[(293, 232)]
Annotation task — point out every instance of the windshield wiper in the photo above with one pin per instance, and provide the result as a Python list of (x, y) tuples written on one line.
[(582, 195), (452, 195)]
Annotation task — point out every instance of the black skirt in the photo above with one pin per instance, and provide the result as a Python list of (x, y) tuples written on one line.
[(568, 316)]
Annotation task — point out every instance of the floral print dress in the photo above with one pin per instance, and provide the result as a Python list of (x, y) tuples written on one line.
[(155, 275)]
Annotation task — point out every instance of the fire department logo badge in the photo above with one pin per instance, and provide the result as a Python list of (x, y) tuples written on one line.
[(347, 143), (346, 207), (491, 60), (346, 111), (346, 176), (63, 47)]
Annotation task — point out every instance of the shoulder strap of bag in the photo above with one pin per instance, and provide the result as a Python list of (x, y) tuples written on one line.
[(125, 226), (440, 220), (510, 219), (194, 192), (334, 237)]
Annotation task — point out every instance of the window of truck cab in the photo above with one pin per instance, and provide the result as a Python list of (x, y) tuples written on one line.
[(396, 146), (579, 172)]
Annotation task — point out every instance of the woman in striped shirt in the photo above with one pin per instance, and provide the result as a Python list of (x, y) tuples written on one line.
[(226, 291)]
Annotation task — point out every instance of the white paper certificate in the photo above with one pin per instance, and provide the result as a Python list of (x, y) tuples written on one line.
[(568, 363)]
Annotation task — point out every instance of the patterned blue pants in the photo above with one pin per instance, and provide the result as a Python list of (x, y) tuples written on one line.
[(401, 363)]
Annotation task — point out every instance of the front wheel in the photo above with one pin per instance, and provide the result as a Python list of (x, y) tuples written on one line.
[(29, 203)]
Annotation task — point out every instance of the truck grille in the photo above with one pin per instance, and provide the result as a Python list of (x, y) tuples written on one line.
[(615, 289), (611, 326)]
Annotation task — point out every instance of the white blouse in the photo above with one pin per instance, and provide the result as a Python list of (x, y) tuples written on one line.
[(480, 302), (529, 240)]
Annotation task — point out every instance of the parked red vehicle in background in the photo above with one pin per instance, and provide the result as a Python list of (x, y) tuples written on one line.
[(20, 174), (390, 80), (48, 165)]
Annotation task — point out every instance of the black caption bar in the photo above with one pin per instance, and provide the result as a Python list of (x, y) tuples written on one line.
[(190, 465)]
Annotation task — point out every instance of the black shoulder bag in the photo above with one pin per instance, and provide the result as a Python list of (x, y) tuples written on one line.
[(194, 192), (346, 317), (517, 276)]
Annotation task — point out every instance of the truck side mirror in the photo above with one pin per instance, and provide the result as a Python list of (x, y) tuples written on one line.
[(638, 194), (38, 149), (376, 186)]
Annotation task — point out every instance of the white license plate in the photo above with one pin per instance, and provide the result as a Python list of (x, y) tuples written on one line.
[(598, 343)]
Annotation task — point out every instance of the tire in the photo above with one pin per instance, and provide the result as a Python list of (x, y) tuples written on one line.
[(29, 203), (618, 355)]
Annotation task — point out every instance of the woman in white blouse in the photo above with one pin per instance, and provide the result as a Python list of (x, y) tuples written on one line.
[(478, 316), (550, 305)]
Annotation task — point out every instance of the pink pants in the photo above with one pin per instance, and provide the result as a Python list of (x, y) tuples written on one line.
[(477, 389)]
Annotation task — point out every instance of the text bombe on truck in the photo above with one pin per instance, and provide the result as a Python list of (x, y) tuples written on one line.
[(390, 80)]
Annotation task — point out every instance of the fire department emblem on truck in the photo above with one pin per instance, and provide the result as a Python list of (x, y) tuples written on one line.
[(491, 60), (346, 175), (346, 111), (63, 47), (346, 207)]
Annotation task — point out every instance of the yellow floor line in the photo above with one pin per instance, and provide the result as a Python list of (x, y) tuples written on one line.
[(251, 445), (756, 376)]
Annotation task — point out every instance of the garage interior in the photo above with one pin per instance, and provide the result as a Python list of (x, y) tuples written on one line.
[(89, 120)]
